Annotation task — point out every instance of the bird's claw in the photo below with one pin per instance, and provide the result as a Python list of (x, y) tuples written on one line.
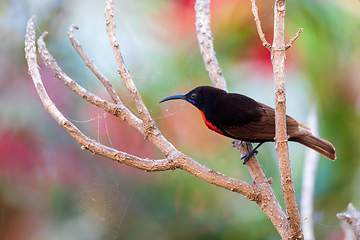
[(248, 156)]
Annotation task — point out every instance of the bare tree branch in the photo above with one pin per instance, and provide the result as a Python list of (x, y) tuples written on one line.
[(91, 65), (291, 42), (174, 158), (277, 50), (352, 217), (87, 143), (118, 110), (149, 124), (149, 129), (205, 39), (267, 201), (281, 138), (265, 43), (255, 12), (260, 192)]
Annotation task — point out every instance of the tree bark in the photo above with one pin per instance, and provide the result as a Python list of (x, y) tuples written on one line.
[(260, 191), (281, 138), (352, 217)]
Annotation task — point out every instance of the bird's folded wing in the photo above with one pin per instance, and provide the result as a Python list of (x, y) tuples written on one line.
[(263, 129)]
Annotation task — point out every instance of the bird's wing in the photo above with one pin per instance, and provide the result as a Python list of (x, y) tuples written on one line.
[(251, 132), (292, 125), (261, 130)]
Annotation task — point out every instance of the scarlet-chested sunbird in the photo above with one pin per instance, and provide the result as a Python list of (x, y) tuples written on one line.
[(240, 117)]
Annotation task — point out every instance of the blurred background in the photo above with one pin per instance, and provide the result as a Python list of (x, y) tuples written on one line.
[(51, 189)]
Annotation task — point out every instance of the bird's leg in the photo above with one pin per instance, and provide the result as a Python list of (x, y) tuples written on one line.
[(251, 153)]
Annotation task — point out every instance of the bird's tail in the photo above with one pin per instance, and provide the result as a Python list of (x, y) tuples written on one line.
[(318, 144)]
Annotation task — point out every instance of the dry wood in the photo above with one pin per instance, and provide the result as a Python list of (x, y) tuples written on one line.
[(174, 159), (352, 217), (260, 191)]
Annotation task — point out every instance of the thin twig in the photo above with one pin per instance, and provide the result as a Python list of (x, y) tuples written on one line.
[(91, 65), (291, 42), (255, 12), (205, 39)]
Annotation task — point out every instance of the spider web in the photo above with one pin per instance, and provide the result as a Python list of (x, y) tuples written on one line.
[(105, 197), (103, 204)]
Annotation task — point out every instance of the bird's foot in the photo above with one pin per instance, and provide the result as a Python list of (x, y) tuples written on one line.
[(248, 156)]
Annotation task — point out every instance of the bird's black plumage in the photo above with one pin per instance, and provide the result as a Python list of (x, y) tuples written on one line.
[(240, 117)]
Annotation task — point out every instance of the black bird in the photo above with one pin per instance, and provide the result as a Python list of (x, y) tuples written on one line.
[(240, 117)]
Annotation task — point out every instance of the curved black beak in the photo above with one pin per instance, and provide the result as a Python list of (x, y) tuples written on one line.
[(173, 97)]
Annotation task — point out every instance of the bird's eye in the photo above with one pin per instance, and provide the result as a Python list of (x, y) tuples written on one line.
[(193, 96)]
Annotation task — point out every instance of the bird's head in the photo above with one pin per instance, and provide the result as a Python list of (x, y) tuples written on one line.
[(195, 96)]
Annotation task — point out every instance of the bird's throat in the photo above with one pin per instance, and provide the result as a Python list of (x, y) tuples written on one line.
[(209, 124)]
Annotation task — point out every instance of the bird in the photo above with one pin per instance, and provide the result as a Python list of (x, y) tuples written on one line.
[(240, 117)]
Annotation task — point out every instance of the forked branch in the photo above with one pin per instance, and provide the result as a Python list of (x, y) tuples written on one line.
[(91, 65), (260, 191), (124, 72), (174, 159), (277, 50), (265, 43)]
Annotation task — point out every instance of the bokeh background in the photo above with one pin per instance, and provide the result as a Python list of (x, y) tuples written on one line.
[(51, 189)]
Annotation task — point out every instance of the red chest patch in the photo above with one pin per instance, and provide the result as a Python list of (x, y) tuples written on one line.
[(209, 125)]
